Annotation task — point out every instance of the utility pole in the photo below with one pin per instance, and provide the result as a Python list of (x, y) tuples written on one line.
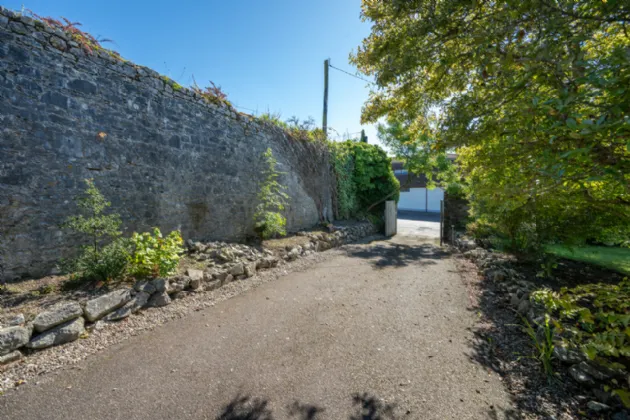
[(325, 117), (363, 137)]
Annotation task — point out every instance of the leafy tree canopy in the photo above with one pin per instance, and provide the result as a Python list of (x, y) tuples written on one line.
[(533, 94)]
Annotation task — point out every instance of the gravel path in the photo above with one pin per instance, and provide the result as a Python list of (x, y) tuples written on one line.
[(369, 331)]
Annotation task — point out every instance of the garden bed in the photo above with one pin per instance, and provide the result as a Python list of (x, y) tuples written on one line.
[(578, 387)]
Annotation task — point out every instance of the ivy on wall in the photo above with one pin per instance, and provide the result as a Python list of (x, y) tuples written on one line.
[(364, 177)]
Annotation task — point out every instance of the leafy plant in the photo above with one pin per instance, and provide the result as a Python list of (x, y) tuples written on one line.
[(542, 340), (268, 219), (155, 255), (108, 263), (594, 318), (547, 265), (364, 178), (294, 127), (347, 202), (97, 260)]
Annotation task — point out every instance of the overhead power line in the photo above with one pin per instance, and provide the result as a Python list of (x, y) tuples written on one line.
[(350, 74)]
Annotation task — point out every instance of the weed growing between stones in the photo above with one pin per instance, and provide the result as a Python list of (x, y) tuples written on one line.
[(294, 127), (87, 42)]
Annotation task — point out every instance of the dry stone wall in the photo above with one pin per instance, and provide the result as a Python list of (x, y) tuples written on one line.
[(163, 155)]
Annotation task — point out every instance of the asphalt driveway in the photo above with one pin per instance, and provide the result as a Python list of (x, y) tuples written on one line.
[(375, 331), (419, 224)]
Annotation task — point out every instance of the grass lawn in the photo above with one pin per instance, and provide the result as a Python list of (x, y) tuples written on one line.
[(614, 258)]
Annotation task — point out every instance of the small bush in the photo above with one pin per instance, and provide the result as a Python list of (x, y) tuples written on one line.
[(542, 340), (97, 261), (154, 255), (272, 224), (105, 264)]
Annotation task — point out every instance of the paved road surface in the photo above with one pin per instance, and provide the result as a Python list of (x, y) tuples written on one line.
[(378, 331), (419, 224)]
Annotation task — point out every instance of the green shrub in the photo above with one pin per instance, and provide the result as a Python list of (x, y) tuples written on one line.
[(364, 178), (98, 260), (272, 224), (343, 167), (154, 255), (105, 264), (268, 219)]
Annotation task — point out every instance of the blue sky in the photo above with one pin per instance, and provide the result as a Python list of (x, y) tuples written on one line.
[(266, 55)]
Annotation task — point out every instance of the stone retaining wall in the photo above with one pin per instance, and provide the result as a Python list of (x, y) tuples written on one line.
[(219, 263), (161, 153)]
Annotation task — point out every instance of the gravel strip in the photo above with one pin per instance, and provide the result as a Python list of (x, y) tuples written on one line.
[(104, 334)]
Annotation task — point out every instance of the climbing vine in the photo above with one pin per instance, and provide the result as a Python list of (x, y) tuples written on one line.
[(364, 178)]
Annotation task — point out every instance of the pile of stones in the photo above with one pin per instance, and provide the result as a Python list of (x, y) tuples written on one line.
[(223, 263)]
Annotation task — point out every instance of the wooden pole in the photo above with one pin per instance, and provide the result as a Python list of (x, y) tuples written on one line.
[(325, 117)]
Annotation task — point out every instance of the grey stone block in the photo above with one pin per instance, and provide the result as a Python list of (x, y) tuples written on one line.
[(56, 315), (61, 334), (102, 305)]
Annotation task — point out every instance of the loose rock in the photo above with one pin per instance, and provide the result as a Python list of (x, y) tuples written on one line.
[(13, 338), (250, 269), (160, 285), (195, 274), (11, 357), (145, 286), (597, 406), (159, 299), (102, 305), (56, 315), (237, 270), (134, 305), (15, 321), (60, 334)]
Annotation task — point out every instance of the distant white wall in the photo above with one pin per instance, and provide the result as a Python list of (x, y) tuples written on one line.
[(421, 199), (435, 196)]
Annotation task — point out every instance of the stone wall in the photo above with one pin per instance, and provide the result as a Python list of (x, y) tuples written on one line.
[(161, 153)]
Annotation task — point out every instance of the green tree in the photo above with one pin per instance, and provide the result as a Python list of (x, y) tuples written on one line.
[(105, 255), (533, 94), (415, 152), (268, 218)]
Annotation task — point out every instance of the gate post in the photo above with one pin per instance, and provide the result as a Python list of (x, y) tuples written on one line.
[(441, 222), (391, 218)]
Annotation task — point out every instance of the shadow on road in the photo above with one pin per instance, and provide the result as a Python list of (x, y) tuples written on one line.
[(420, 216), (391, 254), (365, 407)]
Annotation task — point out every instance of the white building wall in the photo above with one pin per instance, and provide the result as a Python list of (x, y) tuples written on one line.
[(421, 199)]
